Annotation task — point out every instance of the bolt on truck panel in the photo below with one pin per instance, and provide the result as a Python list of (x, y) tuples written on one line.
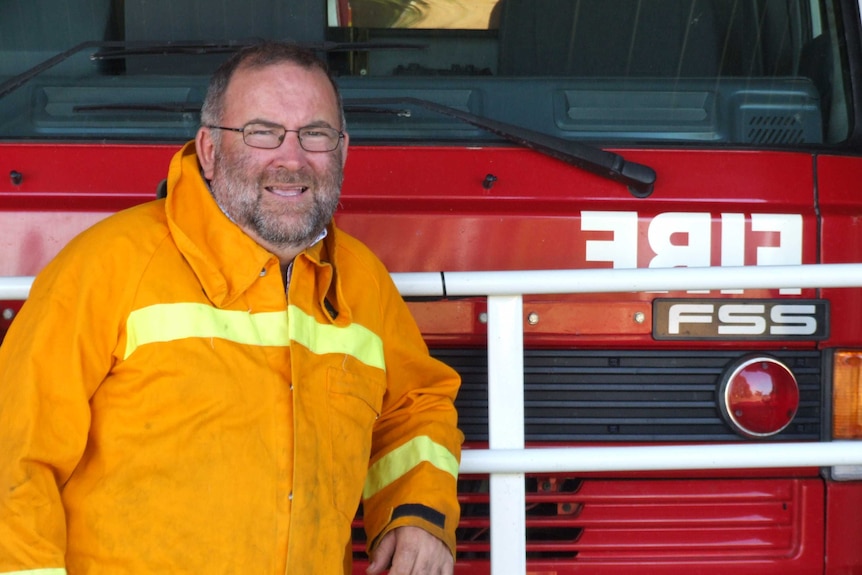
[(536, 135)]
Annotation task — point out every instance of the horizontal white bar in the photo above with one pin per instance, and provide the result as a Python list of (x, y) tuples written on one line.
[(652, 279), (420, 284), (15, 287), (458, 284), (661, 457)]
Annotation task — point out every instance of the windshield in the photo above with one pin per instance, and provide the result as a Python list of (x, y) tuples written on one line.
[(742, 73)]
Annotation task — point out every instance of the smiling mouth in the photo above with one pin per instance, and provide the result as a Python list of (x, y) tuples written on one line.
[(286, 191)]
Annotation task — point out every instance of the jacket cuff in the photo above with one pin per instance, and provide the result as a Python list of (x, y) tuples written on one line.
[(422, 516)]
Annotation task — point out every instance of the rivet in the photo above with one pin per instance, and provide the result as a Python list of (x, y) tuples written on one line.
[(533, 318), (640, 317), (483, 317), (489, 181), (8, 313)]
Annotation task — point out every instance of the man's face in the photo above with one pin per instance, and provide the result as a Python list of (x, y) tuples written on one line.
[(282, 197)]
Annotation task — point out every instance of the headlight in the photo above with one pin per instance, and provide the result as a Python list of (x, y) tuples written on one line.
[(758, 396)]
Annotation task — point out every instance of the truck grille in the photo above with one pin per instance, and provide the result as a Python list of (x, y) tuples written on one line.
[(661, 525), (579, 395), (674, 523)]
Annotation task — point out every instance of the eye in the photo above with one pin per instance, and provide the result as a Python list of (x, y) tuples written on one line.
[(260, 130)]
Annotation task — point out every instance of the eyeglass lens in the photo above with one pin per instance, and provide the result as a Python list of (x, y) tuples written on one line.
[(312, 139)]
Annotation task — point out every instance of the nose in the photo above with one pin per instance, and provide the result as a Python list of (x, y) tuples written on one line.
[(290, 154)]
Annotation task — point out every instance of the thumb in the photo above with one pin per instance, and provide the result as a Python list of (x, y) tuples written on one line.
[(381, 557)]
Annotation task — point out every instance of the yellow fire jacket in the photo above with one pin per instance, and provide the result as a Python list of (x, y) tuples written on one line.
[(164, 408)]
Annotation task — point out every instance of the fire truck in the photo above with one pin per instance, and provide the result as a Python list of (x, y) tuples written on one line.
[(524, 135)]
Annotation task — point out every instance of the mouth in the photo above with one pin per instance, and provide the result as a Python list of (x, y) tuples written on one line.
[(286, 190)]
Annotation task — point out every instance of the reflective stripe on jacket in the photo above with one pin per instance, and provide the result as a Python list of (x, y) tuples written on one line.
[(164, 408)]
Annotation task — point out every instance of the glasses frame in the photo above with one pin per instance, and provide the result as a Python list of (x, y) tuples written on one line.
[(285, 131)]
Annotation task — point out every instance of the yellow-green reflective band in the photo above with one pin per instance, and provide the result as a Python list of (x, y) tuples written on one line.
[(353, 339), (174, 321), (47, 571), (402, 459)]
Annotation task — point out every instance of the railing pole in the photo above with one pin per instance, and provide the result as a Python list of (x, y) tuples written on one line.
[(506, 431)]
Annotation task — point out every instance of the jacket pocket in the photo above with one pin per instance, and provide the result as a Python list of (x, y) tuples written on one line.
[(355, 402)]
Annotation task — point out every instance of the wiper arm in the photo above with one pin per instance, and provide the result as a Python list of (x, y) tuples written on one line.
[(115, 49), (639, 179), (16, 82), (201, 48)]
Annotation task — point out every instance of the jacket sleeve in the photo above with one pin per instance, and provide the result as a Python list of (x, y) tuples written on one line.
[(416, 447), (50, 361)]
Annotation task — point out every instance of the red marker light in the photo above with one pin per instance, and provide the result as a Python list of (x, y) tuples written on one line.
[(759, 396)]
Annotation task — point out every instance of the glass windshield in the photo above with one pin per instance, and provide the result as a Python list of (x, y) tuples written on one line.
[(742, 73)]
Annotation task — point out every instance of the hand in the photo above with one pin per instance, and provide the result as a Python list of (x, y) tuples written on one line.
[(411, 551)]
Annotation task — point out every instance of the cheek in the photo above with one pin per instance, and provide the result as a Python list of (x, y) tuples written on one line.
[(331, 171), (234, 184), (232, 168)]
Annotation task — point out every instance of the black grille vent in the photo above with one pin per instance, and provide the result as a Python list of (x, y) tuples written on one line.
[(775, 129), (576, 395)]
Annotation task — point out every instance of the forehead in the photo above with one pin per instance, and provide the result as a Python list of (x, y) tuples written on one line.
[(284, 93)]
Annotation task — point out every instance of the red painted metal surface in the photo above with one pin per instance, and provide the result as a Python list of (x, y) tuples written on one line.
[(843, 529), (402, 200), (80, 177), (840, 203), (426, 209), (530, 218), (609, 526)]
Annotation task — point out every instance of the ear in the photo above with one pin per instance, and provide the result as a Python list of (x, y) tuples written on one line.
[(205, 148)]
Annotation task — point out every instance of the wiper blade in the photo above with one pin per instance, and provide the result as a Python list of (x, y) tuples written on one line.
[(154, 48), (639, 178), (202, 48), (114, 49), (173, 107), (16, 82)]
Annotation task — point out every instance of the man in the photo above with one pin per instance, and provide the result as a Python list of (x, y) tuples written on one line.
[(165, 406)]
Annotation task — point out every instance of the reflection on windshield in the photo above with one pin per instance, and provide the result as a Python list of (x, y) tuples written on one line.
[(437, 14), (717, 72)]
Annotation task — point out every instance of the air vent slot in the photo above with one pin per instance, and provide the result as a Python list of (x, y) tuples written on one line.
[(775, 129)]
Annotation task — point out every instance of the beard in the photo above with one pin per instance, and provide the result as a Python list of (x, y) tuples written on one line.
[(240, 193)]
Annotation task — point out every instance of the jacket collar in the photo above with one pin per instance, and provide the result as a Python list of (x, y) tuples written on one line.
[(225, 259), (323, 257)]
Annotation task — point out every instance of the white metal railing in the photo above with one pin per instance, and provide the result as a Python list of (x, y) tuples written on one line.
[(507, 461)]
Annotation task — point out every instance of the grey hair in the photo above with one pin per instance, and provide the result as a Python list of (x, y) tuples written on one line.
[(259, 56)]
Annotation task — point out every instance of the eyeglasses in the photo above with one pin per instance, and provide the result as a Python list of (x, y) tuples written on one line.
[(270, 136)]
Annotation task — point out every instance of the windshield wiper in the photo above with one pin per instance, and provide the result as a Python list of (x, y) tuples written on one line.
[(16, 82), (202, 48), (113, 50), (172, 107), (639, 179)]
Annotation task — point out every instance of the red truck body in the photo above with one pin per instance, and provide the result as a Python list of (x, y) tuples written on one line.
[(600, 369)]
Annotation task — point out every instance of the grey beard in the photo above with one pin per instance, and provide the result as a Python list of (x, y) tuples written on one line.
[(304, 233), (241, 203)]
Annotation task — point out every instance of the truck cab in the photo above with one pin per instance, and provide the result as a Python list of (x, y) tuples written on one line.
[(522, 135)]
